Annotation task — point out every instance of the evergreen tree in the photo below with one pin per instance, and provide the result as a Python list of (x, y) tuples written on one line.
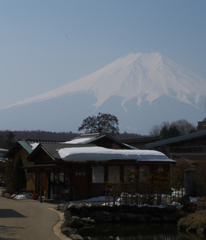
[(170, 132), (173, 132), (18, 180), (164, 133), (10, 139), (8, 174)]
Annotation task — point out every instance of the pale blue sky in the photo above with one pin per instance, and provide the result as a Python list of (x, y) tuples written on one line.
[(46, 44)]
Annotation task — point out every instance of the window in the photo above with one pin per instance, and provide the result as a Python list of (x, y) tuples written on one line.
[(98, 174), (51, 177), (56, 178), (61, 177), (158, 168), (66, 182), (129, 174), (58, 181), (143, 173), (114, 174)]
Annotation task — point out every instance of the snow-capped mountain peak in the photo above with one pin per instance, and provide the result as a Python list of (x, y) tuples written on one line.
[(143, 76), (140, 89)]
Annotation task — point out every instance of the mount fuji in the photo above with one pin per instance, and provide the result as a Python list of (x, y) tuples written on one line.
[(140, 89)]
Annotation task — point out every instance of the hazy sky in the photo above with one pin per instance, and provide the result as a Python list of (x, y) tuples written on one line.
[(46, 44)]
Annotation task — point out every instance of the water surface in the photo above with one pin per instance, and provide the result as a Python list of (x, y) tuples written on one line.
[(132, 231)]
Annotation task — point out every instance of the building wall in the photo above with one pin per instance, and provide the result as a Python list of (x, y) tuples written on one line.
[(99, 189), (29, 176), (80, 181)]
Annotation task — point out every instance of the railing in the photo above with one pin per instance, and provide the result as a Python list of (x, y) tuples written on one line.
[(143, 194)]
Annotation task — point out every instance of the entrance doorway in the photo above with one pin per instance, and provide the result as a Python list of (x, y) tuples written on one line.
[(58, 186)]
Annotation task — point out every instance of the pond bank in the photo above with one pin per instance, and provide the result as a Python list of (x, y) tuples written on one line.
[(194, 222), (82, 216)]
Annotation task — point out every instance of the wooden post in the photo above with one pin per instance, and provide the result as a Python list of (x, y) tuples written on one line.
[(90, 171), (35, 183), (40, 187), (46, 189)]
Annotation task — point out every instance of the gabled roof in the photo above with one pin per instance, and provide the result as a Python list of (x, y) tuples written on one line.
[(112, 139), (93, 137), (83, 138), (28, 145), (87, 152), (176, 139), (16, 147), (52, 149), (88, 135)]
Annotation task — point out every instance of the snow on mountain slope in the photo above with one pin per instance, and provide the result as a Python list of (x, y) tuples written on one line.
[(143, 76)]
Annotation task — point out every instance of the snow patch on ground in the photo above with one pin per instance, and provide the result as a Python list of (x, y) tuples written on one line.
[(194, 199), (21, 196)]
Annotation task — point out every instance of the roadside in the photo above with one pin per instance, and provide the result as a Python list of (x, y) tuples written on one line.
[(29, 219)]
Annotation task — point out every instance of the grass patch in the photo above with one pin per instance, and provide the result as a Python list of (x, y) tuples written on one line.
[(193, 222)]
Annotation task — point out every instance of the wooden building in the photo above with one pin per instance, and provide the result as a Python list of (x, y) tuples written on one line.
[(140, 142), (190, 146), (25, 148), (80, 171), (202, 124)]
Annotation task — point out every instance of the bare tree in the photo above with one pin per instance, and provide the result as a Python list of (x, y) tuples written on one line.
[(184, 126), (155, 131)]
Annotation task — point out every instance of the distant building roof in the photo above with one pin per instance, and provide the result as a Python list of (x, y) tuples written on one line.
[(88, 135), (93, 137), (140, 140), (176, 139), (204, 120)]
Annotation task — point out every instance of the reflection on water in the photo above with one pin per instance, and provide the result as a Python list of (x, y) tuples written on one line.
[(137, 232)]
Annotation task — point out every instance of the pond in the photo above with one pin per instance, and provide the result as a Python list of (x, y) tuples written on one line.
[(137, 232)]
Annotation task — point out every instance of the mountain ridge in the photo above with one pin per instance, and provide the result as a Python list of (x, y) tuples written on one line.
[(131, 72), (140, 89)]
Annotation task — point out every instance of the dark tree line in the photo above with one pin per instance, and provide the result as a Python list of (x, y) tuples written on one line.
[(104, 124), (8, 138), (174, 129)]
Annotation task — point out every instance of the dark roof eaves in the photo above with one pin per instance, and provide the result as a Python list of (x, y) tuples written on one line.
[(176, 139), (140, 139)]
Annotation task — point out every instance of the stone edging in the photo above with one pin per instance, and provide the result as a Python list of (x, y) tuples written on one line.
[(57, 226), (81, 216)]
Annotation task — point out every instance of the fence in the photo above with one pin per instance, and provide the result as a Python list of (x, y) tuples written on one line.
[(141, 194)]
